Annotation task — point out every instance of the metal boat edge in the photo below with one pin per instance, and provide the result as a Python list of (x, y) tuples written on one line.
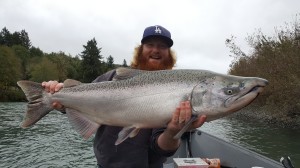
[(204, 145)]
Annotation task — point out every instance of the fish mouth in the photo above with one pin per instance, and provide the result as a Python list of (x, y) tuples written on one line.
[(256, 90), (245, 99)]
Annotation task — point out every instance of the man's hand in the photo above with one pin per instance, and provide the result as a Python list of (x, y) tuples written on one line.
[(52, 87), (181, 116)]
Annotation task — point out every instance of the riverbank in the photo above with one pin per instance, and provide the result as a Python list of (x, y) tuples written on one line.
[(264, 115)]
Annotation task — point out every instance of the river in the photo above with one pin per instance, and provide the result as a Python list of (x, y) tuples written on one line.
[(53, 143)]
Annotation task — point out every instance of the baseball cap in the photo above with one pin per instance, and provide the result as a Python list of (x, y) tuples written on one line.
[(157, 31)]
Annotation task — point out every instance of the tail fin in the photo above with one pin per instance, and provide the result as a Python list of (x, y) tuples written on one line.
[(38, 105)]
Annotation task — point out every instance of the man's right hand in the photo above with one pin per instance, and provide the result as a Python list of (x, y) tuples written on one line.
[(52, 87)]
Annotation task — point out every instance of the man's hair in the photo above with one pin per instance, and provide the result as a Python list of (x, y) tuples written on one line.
[(138, 52)]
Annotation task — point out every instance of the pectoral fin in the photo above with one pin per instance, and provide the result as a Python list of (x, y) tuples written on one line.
[(125, 133), (82, 124), (186, 127)]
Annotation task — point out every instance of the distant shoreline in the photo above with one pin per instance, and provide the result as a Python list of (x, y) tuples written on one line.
[(259, 115)]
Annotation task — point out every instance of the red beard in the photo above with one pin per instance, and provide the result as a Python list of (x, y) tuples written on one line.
[(145, 65)]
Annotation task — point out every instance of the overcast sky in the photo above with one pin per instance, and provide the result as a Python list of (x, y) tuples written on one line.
[(199, 28)]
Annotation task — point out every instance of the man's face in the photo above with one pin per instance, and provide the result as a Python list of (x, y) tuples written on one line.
[(155, 55)]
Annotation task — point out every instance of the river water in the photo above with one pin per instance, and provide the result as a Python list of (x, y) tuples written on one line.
[(53, 143)]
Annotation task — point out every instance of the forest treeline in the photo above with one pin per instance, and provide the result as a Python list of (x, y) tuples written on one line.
[(277, 59), (20, 60)]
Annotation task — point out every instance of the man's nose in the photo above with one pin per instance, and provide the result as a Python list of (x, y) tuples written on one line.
[(155, 48)]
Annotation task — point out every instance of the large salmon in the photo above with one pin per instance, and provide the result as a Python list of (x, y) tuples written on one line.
[(138, 99)]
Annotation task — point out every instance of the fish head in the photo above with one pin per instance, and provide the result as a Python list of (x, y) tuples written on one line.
[(221, 95)]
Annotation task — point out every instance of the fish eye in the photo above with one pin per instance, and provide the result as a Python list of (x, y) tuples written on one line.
[(231, 91)]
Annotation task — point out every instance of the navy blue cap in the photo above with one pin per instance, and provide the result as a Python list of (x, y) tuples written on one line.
[(157, 31)]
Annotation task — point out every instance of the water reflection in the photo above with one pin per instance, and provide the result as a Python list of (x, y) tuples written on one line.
[(53, 143)]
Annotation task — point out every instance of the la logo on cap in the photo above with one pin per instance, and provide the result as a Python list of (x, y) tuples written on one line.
[(157, 30)]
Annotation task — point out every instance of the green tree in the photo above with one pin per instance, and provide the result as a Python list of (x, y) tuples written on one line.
[(2, 42), (9, 67), (110, 63), (9, 71), (61, 61), (91, 61), (74, 68), (24, 55), (6, 37), (24, 39), (16, 38), (36, 52), (44, 71), (124, 63)]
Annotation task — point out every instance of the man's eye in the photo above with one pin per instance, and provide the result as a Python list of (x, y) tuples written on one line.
[(163, 46), (149, 45)]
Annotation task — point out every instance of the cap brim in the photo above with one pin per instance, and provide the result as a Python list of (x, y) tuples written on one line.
[(166, 39)]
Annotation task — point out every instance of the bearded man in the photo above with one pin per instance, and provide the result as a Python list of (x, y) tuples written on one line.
[(150, 147)]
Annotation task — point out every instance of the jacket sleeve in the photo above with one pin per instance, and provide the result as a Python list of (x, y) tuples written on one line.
[(154, 145)]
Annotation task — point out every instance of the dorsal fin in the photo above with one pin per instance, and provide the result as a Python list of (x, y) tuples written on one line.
[(126, 73), (71, 83)]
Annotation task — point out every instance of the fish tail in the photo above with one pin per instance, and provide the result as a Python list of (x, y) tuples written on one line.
[(38, 102)]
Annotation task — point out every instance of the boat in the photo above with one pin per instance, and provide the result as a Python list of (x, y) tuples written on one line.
[(199, 144)]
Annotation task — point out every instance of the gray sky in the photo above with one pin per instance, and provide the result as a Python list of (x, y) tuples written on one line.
[(198, 27)]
